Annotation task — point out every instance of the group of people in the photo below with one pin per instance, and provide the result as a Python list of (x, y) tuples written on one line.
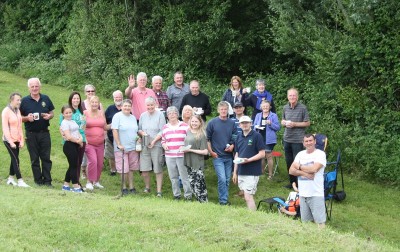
[(153, 124)]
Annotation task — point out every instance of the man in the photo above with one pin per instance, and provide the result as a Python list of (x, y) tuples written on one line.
[(177, 90), (109, 147), (138, 94), (295, 119), (221, 135), (250, 150), (162, 97), (309, 166), (37, 111), (197, 100), (238, 109)]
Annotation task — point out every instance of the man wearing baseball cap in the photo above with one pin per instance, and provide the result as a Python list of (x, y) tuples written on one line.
[(249, 151)]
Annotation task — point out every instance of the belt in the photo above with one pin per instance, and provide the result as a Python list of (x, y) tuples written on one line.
[(38, 131)]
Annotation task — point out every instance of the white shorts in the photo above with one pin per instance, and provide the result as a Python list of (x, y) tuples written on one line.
[(248, 184)]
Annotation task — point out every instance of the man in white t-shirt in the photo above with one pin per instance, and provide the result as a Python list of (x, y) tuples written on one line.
[(309, 166)]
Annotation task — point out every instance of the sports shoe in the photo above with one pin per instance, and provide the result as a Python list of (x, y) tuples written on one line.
[(97, 185), (77, 190), (22, 183), (146, 190), (11, 181), (125, 191), (132, 191), (113, 173), (177, 197), (89, 186), (159, 194), (66, 188)]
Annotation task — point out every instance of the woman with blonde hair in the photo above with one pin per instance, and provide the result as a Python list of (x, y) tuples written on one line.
[(194, 157), (235, 93), (187, 113)]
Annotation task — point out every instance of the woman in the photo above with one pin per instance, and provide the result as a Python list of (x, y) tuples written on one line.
[(73, 142), (90, 91), (124, 127), (95, 127), (267, 124), (173, 137), (151, 123), (13, 137), (74, 102), (194, 157), (235, 93), (187, 113), (254, 100)]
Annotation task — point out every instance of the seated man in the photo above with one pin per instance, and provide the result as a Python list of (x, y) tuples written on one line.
[(309, 166)]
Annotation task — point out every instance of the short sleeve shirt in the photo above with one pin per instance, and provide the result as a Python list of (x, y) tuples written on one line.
[(30, 105), (127, 130)]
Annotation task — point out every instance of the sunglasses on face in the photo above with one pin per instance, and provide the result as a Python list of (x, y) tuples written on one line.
[(90, 91)]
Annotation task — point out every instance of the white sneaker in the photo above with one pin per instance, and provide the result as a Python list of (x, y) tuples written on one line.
[(11, 181), (89, 186), (97, 184), (22, 183)]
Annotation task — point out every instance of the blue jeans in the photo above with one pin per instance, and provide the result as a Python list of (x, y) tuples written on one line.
[(223, 169)]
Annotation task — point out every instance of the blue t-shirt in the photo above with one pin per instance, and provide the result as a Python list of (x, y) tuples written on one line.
[(127, 130), (246, 147)]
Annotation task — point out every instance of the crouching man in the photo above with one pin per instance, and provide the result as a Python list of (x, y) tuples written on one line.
[(249, 151), (309, 166)]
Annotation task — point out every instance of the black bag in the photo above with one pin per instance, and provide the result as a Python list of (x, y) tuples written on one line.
[(340, 195)]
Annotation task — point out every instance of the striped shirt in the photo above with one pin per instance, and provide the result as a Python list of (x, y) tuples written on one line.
[(174, 137), (162, 98)]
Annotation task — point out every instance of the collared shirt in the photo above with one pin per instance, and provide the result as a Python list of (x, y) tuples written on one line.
[(247, 147), (162, 98), (175, 94), (138, 97), (298, 113), (30, 105)]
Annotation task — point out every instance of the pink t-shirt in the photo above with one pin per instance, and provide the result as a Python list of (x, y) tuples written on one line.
[(138, 97), (174, 137), (12, 125), (94, 129)]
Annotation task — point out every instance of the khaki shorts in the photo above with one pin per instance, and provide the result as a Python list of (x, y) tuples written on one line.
[(131, 161), (248, 184), (108, 149), (152, 159)]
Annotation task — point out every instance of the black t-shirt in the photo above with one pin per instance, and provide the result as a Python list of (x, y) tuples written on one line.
[(110, 112)]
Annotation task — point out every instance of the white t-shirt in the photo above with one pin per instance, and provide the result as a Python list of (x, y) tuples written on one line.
[(127, 130), (308, 187), (72, 126)]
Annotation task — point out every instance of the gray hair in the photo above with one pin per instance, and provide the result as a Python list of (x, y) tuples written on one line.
[(223, 104), (172, 109), (149, 100), (117, 92), (260, 82), (143, 74), (89, 86), (35, 79), (157, 77), (127, 101)]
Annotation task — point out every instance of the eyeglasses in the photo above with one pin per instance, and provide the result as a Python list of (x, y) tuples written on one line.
[(90, 91)]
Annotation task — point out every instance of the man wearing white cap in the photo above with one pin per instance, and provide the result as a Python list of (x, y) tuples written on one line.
[(249, 151)]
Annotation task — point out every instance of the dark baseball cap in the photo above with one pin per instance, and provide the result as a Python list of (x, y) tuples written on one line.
[(238, 104)]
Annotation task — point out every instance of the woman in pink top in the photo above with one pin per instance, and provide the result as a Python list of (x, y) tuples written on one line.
[(173, 139), (95, 127), (13, 137)]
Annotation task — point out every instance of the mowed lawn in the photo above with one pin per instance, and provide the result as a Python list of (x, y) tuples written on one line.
[(46, 219)]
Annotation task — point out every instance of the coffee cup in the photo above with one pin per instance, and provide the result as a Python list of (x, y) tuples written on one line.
[(248, 89), (36, 116)]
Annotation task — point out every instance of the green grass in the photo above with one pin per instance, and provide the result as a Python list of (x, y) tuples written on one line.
[(45, 219)]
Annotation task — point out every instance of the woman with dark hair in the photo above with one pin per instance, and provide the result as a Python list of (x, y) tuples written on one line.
[(235, 93), (13, 137), (73, 141), (75, 103)]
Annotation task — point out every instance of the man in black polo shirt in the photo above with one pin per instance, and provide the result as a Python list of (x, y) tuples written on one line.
[(250, 150), (37, 111)]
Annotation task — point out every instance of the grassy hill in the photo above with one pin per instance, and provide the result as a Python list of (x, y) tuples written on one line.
[(46, 219)]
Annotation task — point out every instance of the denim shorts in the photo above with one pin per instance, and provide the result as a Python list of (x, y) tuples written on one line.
[(269, 147)]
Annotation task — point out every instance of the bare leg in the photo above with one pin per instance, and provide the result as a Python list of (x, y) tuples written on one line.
[(111, 161), (270, 161), (146, 178), (250, 201), (159, 179), (129, 177)]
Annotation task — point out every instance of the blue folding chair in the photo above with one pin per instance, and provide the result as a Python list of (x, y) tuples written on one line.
[(330, 183)]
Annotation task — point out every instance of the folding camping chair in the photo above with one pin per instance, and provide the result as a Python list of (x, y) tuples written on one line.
[(276, 155), (330, 183)]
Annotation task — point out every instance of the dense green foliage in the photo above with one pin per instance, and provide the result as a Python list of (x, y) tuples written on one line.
[(342, 55)]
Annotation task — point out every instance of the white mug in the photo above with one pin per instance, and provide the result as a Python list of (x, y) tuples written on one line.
[(36, 116)]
